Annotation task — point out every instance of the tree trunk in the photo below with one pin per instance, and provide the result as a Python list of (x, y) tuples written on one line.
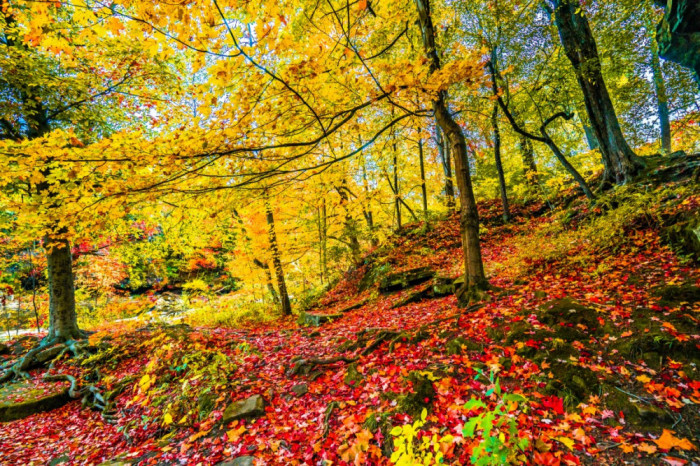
[(63, 321), (422, 178), (469, 217), (527, 152), (590, 137), (621, 164), (661, 95), (444, 151), (499, 164), (285, 304), (268, 281), (323, 239), (350, 227), (397, 200)]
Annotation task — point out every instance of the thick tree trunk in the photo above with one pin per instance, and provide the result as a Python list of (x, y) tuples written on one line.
[(422, 178), (469, 217), (590, 137), (63, 321), (678, 33), (285, 304), (621, 164), (499, 164)]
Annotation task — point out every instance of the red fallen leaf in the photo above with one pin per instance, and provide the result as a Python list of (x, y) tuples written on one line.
[(554, 403)]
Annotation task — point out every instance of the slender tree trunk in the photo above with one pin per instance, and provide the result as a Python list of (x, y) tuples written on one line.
[(350, 227), (63, 321), (621, 164), (469, 217), (527, 153), (661, 95), (268, 280), (367, 211), (499, 164), (444, 151), (323, 233), (397, 200), (285, 304), (422, 178)]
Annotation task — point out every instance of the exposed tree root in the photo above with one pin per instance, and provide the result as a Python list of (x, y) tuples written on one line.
[(91, 396), (305, 366), (332, 406)]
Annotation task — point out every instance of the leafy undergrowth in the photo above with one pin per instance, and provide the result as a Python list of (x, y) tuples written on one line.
[(583, 354)]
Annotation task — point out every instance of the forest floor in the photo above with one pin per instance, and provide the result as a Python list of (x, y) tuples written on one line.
[(595, 329)]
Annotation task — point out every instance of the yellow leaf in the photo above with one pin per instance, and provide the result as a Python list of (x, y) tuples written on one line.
[(167, 419), (566, 441)]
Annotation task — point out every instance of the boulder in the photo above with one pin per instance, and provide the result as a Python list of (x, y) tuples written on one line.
[(249, 408), (402, 280), (4, 349), (24, 399)]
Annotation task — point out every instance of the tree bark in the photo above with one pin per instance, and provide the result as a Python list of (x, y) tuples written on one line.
[(621, 164), (497, 158), (268, 279), (422, 178), (285, 304), (469, 216), (444, 152), (661, 95), (63, 320), (397, 199)]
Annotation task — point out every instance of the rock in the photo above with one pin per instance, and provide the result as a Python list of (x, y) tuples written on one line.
[(653, 414), (352, 376), (23, 399), (48, 354), (249, 408), (317, 319), (300, 389), (4, 349), (402, 280), (420, 398), (560, 312), (240, 461)]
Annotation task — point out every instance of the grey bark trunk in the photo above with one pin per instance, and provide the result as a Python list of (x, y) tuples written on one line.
[(621, 164), (63, 320)]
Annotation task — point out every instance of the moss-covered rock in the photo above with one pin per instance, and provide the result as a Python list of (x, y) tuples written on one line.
[(674, 294), (24, 399), (420, 398), (571, 382), (352, 377), (402, 280), (569, 313)]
